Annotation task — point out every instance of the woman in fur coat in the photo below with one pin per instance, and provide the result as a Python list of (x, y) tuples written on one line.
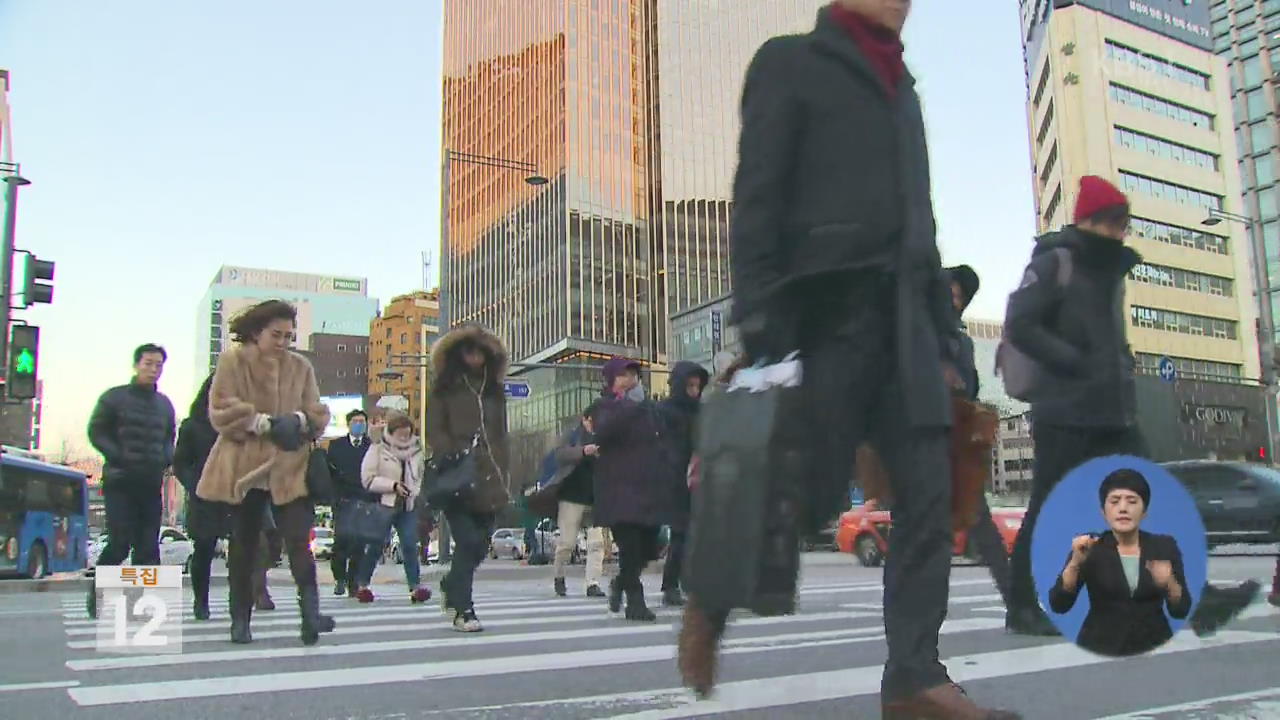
[(467, 408), (265, 405)]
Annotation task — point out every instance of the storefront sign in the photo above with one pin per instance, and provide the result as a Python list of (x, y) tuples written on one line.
[(1161, 276), (1214, 415), (1185, 20)]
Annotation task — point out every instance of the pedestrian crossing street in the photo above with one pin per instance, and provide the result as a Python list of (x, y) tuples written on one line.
[(546, 657)]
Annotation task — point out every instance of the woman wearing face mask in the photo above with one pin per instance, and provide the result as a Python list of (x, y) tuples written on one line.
[(393, 469), (468, 406), (1131, 575), (630, 497), (265, 405)]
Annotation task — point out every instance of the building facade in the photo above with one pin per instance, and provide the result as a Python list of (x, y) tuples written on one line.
[(327, 304), (341, 363), (399, 340), (1014, 456), (1247, 34), (629, 108), (1132, 91)]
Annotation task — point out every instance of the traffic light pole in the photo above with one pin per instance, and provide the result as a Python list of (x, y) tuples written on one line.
[(11, 183)]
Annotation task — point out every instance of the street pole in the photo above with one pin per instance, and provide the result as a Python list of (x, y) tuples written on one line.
[(1268, 339), (445, 297), (12, 182)]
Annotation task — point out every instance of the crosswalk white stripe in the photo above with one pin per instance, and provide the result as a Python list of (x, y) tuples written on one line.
[(19, 687), (953, 600), (411, 672), (1204, 704), (841, 684)]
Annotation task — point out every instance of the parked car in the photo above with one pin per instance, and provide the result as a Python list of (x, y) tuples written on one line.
[(429, 555), (507, 543), (322, 542), (175, 548), (824, 539), (1239, 502), (864, 531)]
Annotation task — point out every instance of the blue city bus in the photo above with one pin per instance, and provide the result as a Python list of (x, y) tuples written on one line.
[(44, 516)]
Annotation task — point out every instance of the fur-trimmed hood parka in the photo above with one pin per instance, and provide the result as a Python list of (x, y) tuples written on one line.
[(465, 404), (245, 384)]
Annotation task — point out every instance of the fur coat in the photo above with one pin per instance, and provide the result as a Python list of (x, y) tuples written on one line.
[(245, 384)]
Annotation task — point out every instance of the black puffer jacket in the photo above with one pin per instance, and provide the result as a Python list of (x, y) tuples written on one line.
[(133, 426), (679, 413), (195, 439)]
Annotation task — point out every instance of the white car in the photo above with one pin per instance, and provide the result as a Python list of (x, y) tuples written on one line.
[(175, 548)]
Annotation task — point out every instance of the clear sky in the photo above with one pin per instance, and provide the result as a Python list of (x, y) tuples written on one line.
[(165, 139)]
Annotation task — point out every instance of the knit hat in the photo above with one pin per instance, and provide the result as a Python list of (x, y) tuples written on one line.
[(617, 366), (1096, 195)]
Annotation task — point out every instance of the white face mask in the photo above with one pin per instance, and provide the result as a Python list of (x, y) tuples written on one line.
[(636, 394)]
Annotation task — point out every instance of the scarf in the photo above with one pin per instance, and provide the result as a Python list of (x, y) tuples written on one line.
[(881, 46), (404, 452)]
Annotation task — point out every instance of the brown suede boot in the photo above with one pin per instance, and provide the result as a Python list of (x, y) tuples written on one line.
[(699, 647), (944, 702)]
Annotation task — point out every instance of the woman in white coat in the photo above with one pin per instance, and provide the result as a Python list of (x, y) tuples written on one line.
[(393, 468)]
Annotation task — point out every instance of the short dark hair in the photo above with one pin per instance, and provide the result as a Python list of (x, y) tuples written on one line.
[(1125, 479), (355, 414), (1113, 216), (590, 412), (246, 326), (149, 349)]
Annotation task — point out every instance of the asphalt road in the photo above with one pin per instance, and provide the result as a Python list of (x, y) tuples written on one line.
[(544, 657)]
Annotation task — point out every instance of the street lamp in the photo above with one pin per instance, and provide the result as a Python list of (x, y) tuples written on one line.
[(1262, 291), (532, 178)]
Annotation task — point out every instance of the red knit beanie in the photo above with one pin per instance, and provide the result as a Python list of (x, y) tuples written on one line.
[(1097, 195)]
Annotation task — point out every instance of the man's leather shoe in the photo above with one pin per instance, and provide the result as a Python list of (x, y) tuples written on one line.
[(943, 702), (1029, 621)]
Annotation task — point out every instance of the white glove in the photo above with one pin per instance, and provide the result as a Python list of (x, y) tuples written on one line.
[(260, 424)]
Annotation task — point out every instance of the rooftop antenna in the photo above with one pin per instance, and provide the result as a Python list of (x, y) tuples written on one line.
[(426, 270)]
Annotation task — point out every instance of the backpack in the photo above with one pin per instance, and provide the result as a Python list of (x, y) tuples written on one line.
[(1023, 377)]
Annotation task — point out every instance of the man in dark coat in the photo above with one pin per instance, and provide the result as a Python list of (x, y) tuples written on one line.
[(345, 455), (679, 414), (1073, 325), (629, 496), (133, 427), (834, 254)]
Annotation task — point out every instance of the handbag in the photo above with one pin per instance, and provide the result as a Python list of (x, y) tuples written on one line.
[(369, 522), (450, 477), (319, 478)]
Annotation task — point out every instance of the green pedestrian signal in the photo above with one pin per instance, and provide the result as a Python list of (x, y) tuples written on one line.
[(24, 362)]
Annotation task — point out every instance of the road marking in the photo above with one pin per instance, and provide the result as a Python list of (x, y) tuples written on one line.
[(1205, 704), (418, 672), (39, 686), (952, 600)]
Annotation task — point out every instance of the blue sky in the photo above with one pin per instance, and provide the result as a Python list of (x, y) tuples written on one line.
[(165, 139)]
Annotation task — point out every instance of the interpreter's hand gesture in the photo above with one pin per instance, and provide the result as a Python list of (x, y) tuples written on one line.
[(1081, 545), (1161, 573), (591, 450)]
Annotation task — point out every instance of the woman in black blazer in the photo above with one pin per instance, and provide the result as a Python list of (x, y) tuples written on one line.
[(1131, 575)]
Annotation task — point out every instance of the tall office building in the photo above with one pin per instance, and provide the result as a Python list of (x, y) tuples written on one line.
[(1132, 91), (1247, 34), (629, 109), (326, 304)]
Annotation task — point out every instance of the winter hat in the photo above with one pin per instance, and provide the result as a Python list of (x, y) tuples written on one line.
[(615, 367), (968, 280), (1096, 195)]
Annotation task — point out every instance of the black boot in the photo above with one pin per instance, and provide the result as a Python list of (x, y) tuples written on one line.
[(615, 595), (672, 598), (200, 597), (1029, 621), (561, 590), (636, 607), (240, 633), (91, 600), (1219, 606), (313, 623)]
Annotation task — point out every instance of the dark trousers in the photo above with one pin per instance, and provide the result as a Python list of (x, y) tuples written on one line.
[(345, 562), (854, 394), (202, 566), (675, 561), (293, 522), (987, 543), (133, 521), (637, 547), (471, 535), (1059, 450)]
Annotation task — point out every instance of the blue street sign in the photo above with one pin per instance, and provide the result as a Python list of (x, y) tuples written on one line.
[(516, 389), (1168, 371)]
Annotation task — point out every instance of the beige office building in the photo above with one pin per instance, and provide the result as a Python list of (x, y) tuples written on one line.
[(1135, 94)]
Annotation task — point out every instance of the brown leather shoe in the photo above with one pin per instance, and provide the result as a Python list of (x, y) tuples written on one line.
[(699, 644), (943, 702)]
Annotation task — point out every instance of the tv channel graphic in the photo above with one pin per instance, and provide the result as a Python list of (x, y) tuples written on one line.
[(139, 609), (1119, 556)]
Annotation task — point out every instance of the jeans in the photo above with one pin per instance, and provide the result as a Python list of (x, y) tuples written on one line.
[(471, 535), (406, 527), (569, 518), (133, 521), (293, 522)]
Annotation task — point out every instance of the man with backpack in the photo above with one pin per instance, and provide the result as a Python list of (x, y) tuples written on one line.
[(1067, 354)]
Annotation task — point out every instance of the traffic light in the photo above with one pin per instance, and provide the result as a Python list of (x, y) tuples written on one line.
[(24, 357), (34, 291)]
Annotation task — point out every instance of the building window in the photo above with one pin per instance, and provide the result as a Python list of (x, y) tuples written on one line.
[(1048, 166), (361, 348), (1252, 71), (1044, 84), (1182, 279), (404, 338), (342, 373), (1169, 192), (359, 371), (1185, 323), (1159, 106), (1052, 208), (1180, 236), (1157, 65), (1149, 363), (1044, 126), (342, 348), (388, 333), (1264, 170), (1162, 148), (1261, 137)]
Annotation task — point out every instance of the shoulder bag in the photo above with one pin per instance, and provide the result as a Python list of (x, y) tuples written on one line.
[(450, 476)]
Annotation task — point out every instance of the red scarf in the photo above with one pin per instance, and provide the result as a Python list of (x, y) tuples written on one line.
[(881, 46)]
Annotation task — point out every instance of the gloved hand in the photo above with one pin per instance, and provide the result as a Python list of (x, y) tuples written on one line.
[(286, 432), (766, 335)]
